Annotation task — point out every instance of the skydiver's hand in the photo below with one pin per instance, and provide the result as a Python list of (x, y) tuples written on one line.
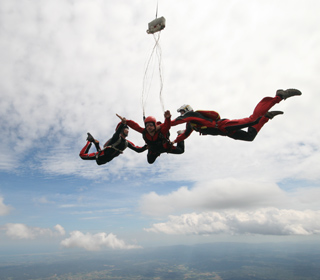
[(167, 114), (123, 120)]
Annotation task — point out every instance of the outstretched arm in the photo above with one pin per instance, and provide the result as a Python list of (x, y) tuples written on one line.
[(165, 127), (135, 126), (123, 120), (131, 124), (115, 136), (185, 134), (136, 148), (204, 119)]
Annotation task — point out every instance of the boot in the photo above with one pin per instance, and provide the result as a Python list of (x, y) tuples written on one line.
[(90, 137), (284, 94), (271, 114)]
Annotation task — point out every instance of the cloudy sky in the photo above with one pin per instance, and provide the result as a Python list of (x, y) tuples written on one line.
[(67, 68)]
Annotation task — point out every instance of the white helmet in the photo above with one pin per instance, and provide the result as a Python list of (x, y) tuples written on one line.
[(186, 108)]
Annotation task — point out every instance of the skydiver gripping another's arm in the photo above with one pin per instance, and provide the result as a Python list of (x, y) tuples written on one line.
[(156, 135), (191, 118), (130, 144), (183, 134), (112, 148), (207, 124)]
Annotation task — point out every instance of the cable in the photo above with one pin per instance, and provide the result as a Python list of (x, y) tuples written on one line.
[(156, 49), (146, 86)]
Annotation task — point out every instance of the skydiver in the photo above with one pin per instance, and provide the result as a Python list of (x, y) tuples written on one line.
[(210, 123), (112, 148), (156, 136)]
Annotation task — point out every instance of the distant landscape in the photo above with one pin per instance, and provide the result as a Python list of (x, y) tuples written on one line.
[(218, 261)]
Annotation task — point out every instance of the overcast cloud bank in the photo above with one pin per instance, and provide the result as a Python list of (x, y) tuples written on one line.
[(227, 194), (264, 221), (95, 242), (22, 231)]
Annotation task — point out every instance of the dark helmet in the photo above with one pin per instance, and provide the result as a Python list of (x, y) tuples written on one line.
[(122, 131)]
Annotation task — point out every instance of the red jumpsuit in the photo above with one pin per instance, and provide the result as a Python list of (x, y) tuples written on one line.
[(158, 143), (225, 127)]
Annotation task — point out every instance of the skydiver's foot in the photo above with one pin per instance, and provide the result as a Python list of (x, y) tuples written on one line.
[(271, 114), (284, 94), (90, 137), (180, 132)]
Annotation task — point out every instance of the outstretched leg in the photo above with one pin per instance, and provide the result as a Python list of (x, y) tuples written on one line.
[(152, 156), (94, 141), (256, 119), (179, 149), (252, 130), (268, 102), (259, 118), (84, 153)]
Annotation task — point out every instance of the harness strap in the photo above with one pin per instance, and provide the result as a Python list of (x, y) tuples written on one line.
[(113, 146)]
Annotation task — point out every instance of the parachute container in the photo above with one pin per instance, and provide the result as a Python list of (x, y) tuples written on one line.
[(156, 25), (210, 114)]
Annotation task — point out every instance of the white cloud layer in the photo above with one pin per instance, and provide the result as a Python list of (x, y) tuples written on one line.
[(215, 194), (4, 209), (264, 221), (95, 242), (67, 67), (22, 231)]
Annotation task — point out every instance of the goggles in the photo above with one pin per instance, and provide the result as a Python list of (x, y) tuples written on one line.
[(149, 124)]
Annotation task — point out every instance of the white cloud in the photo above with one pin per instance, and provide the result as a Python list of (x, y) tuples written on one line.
[(215, 194), (264, 221), (95, 242), (60, 229), (4, 209), (42, 200), (22, 231), (67, 68), (81, 55)]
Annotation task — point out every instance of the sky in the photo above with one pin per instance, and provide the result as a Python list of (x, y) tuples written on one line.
[(68, 67)]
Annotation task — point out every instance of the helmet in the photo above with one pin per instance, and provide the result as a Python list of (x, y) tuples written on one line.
[(124, 126), (186, 108), (150, 119)]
